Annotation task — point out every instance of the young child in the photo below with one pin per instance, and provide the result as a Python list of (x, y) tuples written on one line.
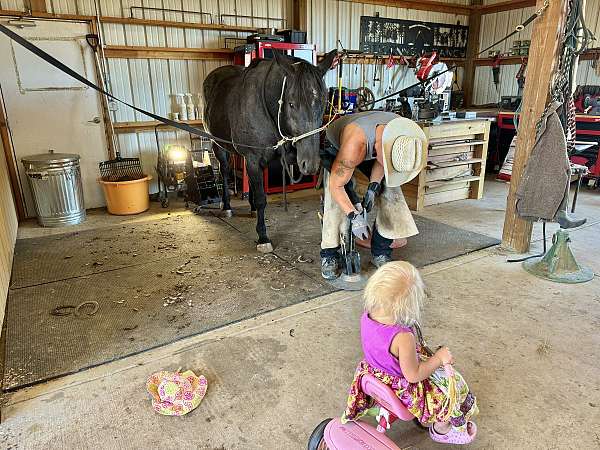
[(392, 353)]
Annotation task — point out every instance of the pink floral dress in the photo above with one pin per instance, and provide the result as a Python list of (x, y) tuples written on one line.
[(427, 400)]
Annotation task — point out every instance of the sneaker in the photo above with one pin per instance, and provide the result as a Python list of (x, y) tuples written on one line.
[(330, 267), (380, 260)]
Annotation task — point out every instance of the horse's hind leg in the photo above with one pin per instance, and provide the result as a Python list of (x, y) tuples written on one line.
[(251, 198), (222, 156), (259, 199)]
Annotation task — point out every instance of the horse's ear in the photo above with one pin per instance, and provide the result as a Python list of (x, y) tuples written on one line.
[(282, 61), (327, 62)]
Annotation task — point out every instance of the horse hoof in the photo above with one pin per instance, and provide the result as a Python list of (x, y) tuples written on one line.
[(228, 213), (253, 214), (265, 248)]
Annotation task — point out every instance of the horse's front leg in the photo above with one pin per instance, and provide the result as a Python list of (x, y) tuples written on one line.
[(251, 197), (223, 158), (259, 199)]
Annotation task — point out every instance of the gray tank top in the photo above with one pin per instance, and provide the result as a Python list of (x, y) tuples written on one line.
[(367, 120)]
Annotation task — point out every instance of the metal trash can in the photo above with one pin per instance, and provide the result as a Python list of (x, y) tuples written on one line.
[(55, 182)]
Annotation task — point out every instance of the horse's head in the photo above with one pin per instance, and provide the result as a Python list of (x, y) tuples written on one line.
[(304, 102)]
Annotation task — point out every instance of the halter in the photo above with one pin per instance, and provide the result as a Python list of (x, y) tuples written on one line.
[(294, 139)]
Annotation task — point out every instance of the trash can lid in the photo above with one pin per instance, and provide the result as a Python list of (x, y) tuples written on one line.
[(50, 158)]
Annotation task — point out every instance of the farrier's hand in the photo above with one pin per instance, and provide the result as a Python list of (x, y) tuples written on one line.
[(359, 225), (372, 191)]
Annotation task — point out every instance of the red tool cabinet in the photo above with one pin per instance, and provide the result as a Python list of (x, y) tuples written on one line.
[(588, 129), (272, 176)]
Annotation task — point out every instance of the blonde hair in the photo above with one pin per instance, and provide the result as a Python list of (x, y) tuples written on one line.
[(398, 289)]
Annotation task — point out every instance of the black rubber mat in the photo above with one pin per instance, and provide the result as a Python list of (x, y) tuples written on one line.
[(217, 279), (53, 258), (157, 282), (296, 236)]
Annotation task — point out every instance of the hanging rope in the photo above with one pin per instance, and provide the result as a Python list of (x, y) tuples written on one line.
[(577, 38), (519, 27)]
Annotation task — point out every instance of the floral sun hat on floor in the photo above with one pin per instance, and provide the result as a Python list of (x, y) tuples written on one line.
[(174, 393)]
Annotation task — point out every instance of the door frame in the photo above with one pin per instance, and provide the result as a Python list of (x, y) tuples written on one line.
[(5, 135), (11, 162)]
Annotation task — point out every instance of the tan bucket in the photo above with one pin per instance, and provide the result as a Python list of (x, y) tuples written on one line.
[(126, 197)]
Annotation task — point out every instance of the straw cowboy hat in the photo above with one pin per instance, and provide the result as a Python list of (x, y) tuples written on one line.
[(404, 151), (174, 393)]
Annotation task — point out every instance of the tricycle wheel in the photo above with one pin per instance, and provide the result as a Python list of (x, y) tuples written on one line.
[(316, 440), (418, 423)]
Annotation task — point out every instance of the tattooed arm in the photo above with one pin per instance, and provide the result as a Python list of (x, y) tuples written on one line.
[(351, 154)]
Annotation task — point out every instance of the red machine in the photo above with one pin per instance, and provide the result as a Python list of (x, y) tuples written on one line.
[(424, 66), (273, 176)]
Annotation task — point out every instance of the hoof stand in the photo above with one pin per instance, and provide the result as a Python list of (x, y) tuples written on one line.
[(265, 248), (228, 213)]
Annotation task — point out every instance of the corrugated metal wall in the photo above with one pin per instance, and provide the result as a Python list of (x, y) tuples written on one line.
[(496, 26), (148, 83), (8, 232), (330, 20), (15, 5)]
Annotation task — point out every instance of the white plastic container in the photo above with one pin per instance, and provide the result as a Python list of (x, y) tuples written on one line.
[(190, 107), (179, 106)]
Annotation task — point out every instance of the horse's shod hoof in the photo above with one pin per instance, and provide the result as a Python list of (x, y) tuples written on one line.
[(228, 213), (265, 248), (253, 214)]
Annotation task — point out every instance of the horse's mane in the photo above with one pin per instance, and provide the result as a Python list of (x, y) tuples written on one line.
[(306, 76)]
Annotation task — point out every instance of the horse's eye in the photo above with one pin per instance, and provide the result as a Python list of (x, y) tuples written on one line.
[(291, 105)]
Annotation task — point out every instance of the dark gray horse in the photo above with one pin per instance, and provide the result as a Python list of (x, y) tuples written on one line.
[(241, 105)]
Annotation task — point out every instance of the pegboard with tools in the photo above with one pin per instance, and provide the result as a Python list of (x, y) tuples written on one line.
[(384, 36)]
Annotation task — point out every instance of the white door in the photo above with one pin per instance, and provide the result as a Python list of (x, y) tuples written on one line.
[(46, 109)]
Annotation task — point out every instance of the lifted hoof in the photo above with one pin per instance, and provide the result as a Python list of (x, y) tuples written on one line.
[(265, 248), (227, 213)]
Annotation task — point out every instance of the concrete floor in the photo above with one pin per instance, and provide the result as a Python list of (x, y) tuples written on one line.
[(528, 348)]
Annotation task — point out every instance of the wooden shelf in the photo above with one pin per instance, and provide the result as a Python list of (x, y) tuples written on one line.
[(138, 52), (423, 5), (129, 21), (443, 165), (457, 180), (446, 181), (502, 6), (133, 127), (171, 24), (456, 144), (382, 60), (591, 53)]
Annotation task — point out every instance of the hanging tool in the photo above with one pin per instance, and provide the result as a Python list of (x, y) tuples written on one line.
[(339, 83), (375, 76), (93, 41), (496, 70), (521, 76), (390, 61)]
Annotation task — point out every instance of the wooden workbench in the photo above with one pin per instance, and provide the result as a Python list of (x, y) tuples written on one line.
[(456, 160)]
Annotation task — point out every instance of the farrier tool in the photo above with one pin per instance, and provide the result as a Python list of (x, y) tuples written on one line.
[(351, 278)]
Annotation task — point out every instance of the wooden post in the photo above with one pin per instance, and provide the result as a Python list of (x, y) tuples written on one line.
[(36, 6), (299, 15), (472, 52), (544, 53)]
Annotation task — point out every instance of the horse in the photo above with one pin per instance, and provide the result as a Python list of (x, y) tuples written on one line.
[(253, 107)]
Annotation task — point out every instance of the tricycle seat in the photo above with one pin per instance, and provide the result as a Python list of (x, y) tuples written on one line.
[(385, 396)]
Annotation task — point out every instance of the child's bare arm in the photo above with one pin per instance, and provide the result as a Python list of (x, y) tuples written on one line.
[(413, 369)]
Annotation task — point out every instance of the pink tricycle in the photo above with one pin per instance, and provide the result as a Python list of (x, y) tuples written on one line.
[(332, 434)]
